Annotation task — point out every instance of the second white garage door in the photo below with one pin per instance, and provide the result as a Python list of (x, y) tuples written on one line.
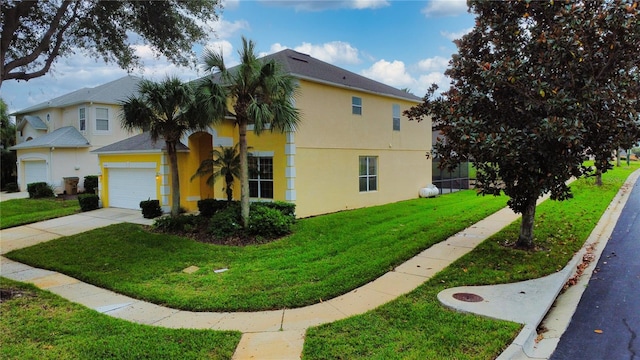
[(35, 171), (127, 187)]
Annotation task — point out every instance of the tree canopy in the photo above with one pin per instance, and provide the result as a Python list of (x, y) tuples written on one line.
[(535, 87), (35, 33)]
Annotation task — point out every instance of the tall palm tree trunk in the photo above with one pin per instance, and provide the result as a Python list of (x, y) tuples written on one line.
[(244, 171), (175, 178)]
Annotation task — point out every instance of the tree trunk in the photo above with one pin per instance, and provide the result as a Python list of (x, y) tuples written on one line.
[(525, 240), (175, 179), (228, 179), (598, 176), (244, 174)]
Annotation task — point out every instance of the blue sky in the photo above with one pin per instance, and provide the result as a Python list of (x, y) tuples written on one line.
[(405, 44)]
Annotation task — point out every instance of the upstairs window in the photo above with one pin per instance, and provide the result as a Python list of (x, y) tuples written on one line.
[(102, 119), (396, 117), (82, 116), (261, 177), (368, 173), (356, 105)]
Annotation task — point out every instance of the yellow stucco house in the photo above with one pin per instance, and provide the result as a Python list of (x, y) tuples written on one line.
[(353, 149)]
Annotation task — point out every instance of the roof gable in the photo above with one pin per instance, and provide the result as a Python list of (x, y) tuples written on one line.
[(65, 137), (34, 121), (138, 143)]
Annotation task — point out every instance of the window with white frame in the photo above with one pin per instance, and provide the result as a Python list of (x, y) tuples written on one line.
[(356, 105), (368, 173), (102, 119), (82, 122), (261, 177), (396, 117)]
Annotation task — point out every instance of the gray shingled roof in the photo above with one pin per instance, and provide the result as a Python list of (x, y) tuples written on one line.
[(306, 67), (138, 143), (65, 137), (34, 121), (110, 93)]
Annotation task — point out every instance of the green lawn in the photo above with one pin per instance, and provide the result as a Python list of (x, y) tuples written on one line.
[(41, 325), (327, 256), (26, 211), (416, 326)]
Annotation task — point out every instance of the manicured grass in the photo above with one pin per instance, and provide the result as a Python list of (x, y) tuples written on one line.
[(416, 326), (41, 325), (327, 256), (26, 211)]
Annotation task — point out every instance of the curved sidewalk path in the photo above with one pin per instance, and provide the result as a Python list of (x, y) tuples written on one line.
[(277, 334)]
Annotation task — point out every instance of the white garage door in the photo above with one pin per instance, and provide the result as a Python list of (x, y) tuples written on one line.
[(127, 187), (35, 171)]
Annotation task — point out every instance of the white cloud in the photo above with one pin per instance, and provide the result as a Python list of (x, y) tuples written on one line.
[(320, 5), (230, 4), (425, 81), (436, 63), (455, 35), (390, 73), (224, 29), (334, 52), (441, 8)]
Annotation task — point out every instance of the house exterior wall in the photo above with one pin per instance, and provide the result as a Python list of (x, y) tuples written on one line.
[(331, 139), (82, 162), (61, 163)]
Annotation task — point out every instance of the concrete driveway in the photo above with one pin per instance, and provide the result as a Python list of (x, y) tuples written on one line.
[(31, 234)]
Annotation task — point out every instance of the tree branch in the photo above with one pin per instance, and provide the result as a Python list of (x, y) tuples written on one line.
[(43, 46)]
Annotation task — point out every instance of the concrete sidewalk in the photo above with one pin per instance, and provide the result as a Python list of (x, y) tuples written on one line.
[(280, 334)]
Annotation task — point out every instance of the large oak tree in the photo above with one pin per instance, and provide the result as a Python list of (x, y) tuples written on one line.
[(36, 33), (537, 85)]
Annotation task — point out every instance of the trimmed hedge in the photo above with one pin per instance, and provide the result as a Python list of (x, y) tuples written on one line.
[(91, 184), (39, 190), (88, 202), (150, 208), (208, 207)]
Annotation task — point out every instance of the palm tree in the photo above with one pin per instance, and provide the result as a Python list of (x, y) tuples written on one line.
[(224, 162), (260, 92), (167, 109)]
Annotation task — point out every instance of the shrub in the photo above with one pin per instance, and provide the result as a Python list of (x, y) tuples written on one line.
[(39, 190), (268, 222), (176, 224), (150, 208), (226, 222), (91, 184), (287, 209), (12, 187), (88, 202), (208, 207)]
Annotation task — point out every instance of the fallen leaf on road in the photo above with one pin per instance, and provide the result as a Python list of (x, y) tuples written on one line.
[(597, 331)]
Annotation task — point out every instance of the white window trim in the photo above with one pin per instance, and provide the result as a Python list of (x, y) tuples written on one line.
[(395, 117), (367, 175), (83, 131), (95, 122), (354, 105)]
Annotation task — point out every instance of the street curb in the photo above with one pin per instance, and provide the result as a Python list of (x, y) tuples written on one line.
[(524, 345)]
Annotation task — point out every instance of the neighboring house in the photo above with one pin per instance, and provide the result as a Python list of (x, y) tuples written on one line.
[(54, 139), (352, 149)]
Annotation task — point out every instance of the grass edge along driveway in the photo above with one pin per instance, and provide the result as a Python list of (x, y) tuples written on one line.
[(18, 212), (416, 326)]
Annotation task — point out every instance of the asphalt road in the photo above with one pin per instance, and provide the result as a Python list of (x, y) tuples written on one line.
[(606, 324)]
